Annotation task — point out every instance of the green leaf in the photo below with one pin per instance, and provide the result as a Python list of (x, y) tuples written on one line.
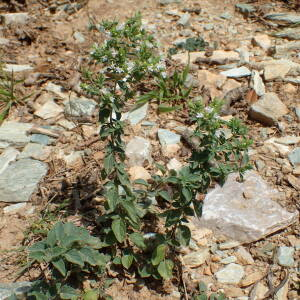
[(202, 287), (51, 238), (88, 255), (145, 271), (183, 235), (127, 260), (59, 265), (138, 240), (141, 181), (59, 231), (102, 259), (161, 168), (73, 256), (112, 197), (67, 292), (91, 295), (201, 297), (159, 254), (131, 211), (109, 162), (164, 109), (165, 269), (187, 194), (117, 260), (165, 195), (173, 217), (119, 229)]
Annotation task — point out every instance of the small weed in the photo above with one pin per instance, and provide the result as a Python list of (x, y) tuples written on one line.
[(201, 294), (190, 45)]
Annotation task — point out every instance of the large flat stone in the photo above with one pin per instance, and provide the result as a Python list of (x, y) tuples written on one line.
[(9, 155), (20, 179), (14, 134), (268, 109), (138, 151), (244, 211), (80, 107)]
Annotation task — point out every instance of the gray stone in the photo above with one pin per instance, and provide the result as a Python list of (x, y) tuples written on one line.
[(288, 140), (9, 155), (209, 26), (283, 18), (66, 124), (15, 18), (148, 123), (14, 208), (260, 164), (184, 20), (244, 211), (167, 137), (137, 115), (164, 2), (196, 259), (35, 151), (80, 107), (228, 260), (289, 33), (41, 139), (244, 54), (71, 159), (17, 68), (18, 288), (231, 274), (226, 15), (257, 83), (294, 156), (229, 245), (297, 111), (268, 109), (49, 110), (14, 133), (26, 174), (285, 256), (244, 257), (138, 151), (56, 89), (4, 42), (245, 8), (79, 37), (174, 164), (237, 72)]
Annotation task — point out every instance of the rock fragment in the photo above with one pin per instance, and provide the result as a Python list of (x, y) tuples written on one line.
[(231, 274), (138, 151)]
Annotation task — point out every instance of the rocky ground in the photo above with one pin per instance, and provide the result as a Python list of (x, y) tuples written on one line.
[(247, 246)]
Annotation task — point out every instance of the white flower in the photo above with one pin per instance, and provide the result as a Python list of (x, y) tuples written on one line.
[(164, 74), (199, 115), (120, 26), (208, 109)]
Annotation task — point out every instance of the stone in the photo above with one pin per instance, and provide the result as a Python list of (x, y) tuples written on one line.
[(41, 139), (226, 15), (184, 20), (285, 256), (276, 147), (261, 291), (4, 42), (283, 18), (56, 89), (138, 151), (35, 151), (17, 68), (286, 49), (164, 2), (80, 107), (228, 260), (138, 172), (289, 33), (14, 133), (294, 157), (233, 291), (137, 115), (221, 57), (15, 18), (196, 259), (243, 256), (289, 88), (263, 41), (49, 110), (226, 210), (66, 124), (257, 83), (276, 71), (174, 164), (288, 140), (8, 156), (237, 72), (72, 159), (167, 137), (268, 109), (245, 8), (26, 174), (11, 209), (79, 37), (213, 82), (294, 182), (229, 85), (231, 274), (209, 26), (297, 111), (244, 54), (251, 278), (282, 293), (183, 58), (19, 288), (229, 245)]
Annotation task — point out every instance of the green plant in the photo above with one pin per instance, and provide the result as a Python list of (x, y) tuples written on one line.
[(67, 253), (202, 294), (9, 94), (191, 44), (170, 91)]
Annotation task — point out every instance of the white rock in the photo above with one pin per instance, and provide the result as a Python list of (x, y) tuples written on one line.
[(14, 208), (56, 89), (243, 256), (137, 115), (228, 260), (183, 58), (226, 209), (229, 245), (196, 259), (174, 164), (35, 151), (17, 68), (167, 137), (138, 172), (15, 18), (49, 110), (231, 274), (263, 41), (237, 72), (257, 83), (138, 151), (9, 155), (72, 159), (273, 146)]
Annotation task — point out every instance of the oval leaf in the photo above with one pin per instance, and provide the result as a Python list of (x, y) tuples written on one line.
[(138, 240), (127, 260), (183, 235), (165, 269), (119, 229), (158, 254)]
